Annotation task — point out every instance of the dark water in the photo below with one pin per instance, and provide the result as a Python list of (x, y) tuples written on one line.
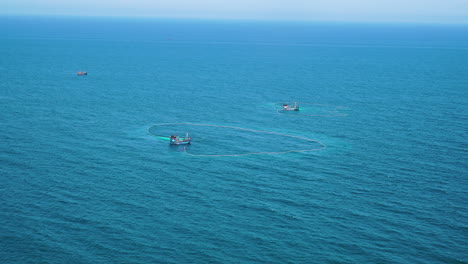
[(83, 180)]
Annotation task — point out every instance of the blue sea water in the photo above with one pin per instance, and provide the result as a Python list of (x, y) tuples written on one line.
[(86, 177)]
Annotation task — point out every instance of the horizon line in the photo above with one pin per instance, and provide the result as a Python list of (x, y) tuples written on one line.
[(231, 19)]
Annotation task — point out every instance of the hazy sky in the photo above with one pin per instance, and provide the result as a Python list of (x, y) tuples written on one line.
[(316, 10)]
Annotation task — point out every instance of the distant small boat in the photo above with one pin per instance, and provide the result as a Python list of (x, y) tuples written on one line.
[(287, 107), (175, 140), (82, 73)]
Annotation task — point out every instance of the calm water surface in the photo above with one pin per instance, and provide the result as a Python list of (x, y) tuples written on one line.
[(84, 179)]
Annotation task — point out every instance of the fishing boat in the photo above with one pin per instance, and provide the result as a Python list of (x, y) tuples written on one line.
[(176, 140), (82, 73), (287, 107)]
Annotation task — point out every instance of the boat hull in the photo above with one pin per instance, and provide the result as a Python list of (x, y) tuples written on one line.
[(176, 141), (180, 142)]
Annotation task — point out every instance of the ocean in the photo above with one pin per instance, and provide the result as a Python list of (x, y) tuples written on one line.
[(372, 169)]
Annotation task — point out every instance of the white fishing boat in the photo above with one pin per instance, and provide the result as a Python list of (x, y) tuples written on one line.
[(287, 107), (176, 140)]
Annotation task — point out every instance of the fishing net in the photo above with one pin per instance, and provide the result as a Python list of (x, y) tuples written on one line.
[(217, 141)]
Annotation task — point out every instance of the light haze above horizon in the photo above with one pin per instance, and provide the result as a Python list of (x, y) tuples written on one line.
[(411, 11)]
